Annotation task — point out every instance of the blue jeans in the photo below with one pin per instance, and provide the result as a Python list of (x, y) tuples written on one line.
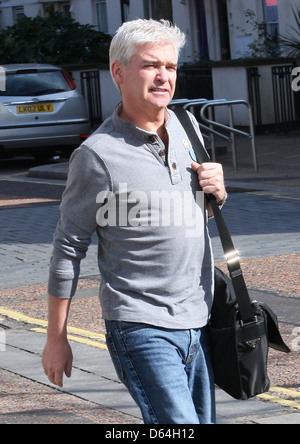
[(167, 372)]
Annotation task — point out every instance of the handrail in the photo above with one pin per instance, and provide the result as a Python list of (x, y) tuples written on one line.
[(187, 103), (220, 125), (216, 133), (208, 105), (231, 129)]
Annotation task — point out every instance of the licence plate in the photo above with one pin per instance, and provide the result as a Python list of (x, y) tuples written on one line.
[(35, 108)]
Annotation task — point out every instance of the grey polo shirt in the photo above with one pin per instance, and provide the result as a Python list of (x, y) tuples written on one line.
[(155, 256)]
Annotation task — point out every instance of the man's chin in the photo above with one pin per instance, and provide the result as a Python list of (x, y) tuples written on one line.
[(161, 103)]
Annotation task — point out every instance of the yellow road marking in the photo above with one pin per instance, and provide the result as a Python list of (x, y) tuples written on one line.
[(16, 316), (281, 401), (75, 338), (285, 391), (85, 336)]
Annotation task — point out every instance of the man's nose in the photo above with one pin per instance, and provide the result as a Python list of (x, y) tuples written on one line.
[(162, 74)]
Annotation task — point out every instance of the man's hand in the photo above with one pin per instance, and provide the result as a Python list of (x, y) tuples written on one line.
[(57, 357), (211, 179), (57, 361)]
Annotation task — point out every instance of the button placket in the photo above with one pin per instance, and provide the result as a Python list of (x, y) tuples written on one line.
[(173, 167), (158, 148)]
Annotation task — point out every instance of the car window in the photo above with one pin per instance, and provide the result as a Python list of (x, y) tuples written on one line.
[(29, 83)]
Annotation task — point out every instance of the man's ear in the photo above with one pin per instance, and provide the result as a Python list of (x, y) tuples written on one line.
[(117, 72)]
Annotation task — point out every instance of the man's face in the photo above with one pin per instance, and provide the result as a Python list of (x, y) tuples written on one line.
[(150, 80)]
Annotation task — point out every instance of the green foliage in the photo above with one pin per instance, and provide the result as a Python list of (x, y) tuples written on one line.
[(264, 44), (57, 39), (291, 42)]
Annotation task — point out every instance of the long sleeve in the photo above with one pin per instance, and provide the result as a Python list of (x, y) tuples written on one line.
[(87, 177)]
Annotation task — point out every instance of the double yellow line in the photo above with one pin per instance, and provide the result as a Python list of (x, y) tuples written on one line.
[(278, 400), (98, 340), (74, 334)]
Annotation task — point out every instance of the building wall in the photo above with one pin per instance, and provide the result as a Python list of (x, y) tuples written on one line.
[(239, 40), (240, 33), (228, 82)]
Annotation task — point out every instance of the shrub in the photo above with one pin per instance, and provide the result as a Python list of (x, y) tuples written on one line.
[(56, 39)]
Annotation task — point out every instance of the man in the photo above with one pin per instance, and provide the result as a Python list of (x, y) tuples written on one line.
[(134, 183)]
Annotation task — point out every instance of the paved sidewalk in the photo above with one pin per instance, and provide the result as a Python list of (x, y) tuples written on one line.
[(94, 380), (263, 214)]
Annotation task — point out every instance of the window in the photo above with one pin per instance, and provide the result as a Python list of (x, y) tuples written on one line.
[(125, 5), (32, 82), (18, 13), (147, 9), (51, 8), (202, 29), (271, 17), (224, 29), (101, 13), (65, 9), (158, 9)]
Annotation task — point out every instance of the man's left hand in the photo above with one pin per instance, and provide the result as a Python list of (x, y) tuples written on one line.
[(211, 179)]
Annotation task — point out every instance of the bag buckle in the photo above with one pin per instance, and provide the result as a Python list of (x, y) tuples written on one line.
[(245, 324), (232, 257)]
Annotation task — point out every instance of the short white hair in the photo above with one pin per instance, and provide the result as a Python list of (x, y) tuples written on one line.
[(137, 33)]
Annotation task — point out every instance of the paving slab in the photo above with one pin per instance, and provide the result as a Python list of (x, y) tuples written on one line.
[(94, 380), (282, 419), (23, 357)]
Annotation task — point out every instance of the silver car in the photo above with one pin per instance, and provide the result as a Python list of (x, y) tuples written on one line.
[(40, 110)]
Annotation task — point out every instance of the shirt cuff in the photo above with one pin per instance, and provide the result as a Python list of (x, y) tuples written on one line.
[(62, 287)]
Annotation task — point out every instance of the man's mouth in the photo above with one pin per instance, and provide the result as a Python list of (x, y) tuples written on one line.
[(161, 90)]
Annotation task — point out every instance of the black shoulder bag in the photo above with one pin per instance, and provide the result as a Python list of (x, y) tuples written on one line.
[(241, 330)]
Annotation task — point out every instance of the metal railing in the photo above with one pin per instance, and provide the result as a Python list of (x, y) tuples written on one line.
[(90, 86), (214, 128), (195, 82), (231, 129), (285, 99), (187, 103), (254, 95)]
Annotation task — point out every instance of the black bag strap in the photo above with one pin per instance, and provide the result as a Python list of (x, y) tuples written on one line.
[(231, 254)]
